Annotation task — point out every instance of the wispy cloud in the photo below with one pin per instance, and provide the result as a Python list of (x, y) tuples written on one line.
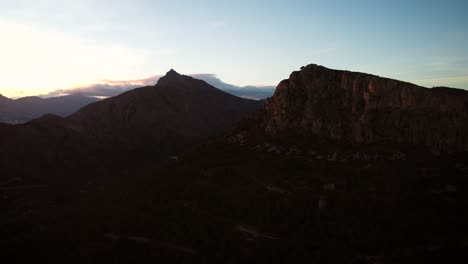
[(456, 82), (105, 88), (109, 88), (448, 79)]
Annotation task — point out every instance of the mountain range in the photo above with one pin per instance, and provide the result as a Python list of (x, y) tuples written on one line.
[(27, 108), (149, 121), (336, 167)]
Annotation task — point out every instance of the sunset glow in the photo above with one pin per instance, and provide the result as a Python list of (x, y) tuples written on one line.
[(50, 45), (35, 61)]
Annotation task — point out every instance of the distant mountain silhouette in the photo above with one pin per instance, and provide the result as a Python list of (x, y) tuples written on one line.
[(3, 98), (250, 92), (357, 108), (27, 108)]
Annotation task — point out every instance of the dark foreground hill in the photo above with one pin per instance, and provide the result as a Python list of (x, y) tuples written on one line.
[(238, 201), (270, 191)]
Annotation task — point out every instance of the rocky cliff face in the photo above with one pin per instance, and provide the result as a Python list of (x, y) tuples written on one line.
[(358, 108)]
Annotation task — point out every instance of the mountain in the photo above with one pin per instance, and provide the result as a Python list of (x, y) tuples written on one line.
[(262, 192), (3, 98), (177, 110), (144, 123), (27, 108), (360, 109)]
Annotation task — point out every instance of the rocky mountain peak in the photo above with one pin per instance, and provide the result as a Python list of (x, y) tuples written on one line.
[(172, 77), (358, 108), (172, 72)]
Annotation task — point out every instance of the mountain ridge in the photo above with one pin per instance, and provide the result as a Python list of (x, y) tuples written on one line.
[(359, 108), (111, 177), (177, 106), (28, 108)]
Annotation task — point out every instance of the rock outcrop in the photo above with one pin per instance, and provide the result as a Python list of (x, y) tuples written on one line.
[(357, 108)]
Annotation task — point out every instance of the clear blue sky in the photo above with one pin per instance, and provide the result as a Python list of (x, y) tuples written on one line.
[(57, 44)]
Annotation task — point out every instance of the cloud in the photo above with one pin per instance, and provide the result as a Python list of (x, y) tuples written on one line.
[(109, 88), (456, 82), (105, 88), (250, 92), (213, 79), (448, 79)]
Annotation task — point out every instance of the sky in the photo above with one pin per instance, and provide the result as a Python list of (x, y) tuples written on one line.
[(62, 44)]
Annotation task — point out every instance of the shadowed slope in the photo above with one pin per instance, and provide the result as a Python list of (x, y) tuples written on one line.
[(164, 117)]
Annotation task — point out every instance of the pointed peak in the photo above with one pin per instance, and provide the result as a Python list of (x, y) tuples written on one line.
[(172, 72), (171, 77)]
